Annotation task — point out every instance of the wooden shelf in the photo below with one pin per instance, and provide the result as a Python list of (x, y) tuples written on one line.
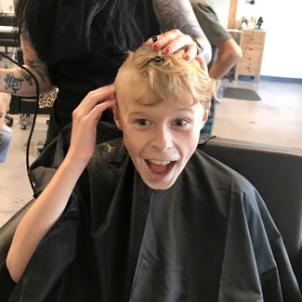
[(252, 45)]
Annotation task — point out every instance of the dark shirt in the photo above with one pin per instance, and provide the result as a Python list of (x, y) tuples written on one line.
[(75, 68)]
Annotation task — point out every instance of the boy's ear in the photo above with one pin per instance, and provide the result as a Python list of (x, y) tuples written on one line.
[(205, 115), (206, 112), (116, 116)]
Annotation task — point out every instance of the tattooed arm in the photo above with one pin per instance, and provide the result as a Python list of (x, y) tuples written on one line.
[(178, 14), (17, 81)]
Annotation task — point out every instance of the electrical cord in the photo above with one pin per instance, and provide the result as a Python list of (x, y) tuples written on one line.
[(37, 87)]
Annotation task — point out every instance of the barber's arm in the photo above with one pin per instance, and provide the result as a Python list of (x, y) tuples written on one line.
[(16, 81), (229, 53), (178, 14)]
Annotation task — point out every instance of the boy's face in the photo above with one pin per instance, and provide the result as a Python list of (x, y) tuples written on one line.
[(160, 138)]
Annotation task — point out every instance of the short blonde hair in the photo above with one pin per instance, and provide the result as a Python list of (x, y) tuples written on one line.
[(164, 76)]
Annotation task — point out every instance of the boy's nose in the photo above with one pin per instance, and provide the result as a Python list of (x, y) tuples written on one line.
[(163, 139)]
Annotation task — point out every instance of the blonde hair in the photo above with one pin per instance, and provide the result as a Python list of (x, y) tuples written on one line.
[(164, 76)]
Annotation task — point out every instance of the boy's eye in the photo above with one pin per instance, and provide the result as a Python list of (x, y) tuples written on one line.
[(142, 122), (181, 122)]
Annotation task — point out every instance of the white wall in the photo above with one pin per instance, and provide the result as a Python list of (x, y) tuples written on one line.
[(283, 24), (6, 6), (283, 47), (221, 7)]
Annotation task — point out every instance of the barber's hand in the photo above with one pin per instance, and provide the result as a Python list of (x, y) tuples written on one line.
[(84, 122), (175, 40)]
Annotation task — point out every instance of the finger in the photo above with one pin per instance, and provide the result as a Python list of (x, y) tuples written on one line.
[(94, 97), (172, 41), (90, 120), (96, 113), (97, 95), (152, 40), (180, 42), (191, 53), (161, 40), (86, 125), (92, 117), (200, 59), (164, 39)]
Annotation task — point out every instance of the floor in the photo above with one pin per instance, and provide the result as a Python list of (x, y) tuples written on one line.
[(275, 120)]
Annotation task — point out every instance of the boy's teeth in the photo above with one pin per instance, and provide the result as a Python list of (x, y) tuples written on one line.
[(159, 162)]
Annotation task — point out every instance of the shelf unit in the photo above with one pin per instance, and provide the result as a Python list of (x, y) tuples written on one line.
[(252, 45)]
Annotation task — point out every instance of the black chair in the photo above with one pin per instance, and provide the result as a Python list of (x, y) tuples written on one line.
[(275, 172)]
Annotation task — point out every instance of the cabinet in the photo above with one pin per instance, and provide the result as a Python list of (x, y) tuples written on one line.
[(252, 45)]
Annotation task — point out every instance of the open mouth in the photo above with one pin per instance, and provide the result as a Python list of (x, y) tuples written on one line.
[(160, 167)]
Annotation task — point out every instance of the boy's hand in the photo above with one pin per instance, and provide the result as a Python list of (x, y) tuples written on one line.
[(173, 41), (84, 122)]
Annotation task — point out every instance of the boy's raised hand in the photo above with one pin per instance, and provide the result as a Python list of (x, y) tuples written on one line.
[(84, 122), (51, 203)]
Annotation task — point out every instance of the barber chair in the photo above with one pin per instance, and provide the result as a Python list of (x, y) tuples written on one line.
[(275, 172)]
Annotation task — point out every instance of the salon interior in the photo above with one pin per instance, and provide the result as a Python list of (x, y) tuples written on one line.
[(271, 119), (257, 123)]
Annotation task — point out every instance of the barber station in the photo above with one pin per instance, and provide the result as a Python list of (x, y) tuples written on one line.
[(150, 151)]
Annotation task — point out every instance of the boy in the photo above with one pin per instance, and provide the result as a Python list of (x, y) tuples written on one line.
[(5, 131), (150, 218)]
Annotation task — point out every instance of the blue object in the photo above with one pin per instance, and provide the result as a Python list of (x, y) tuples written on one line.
[(5, 138)]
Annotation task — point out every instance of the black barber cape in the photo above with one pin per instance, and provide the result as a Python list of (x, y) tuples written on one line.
[(208, 238)]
